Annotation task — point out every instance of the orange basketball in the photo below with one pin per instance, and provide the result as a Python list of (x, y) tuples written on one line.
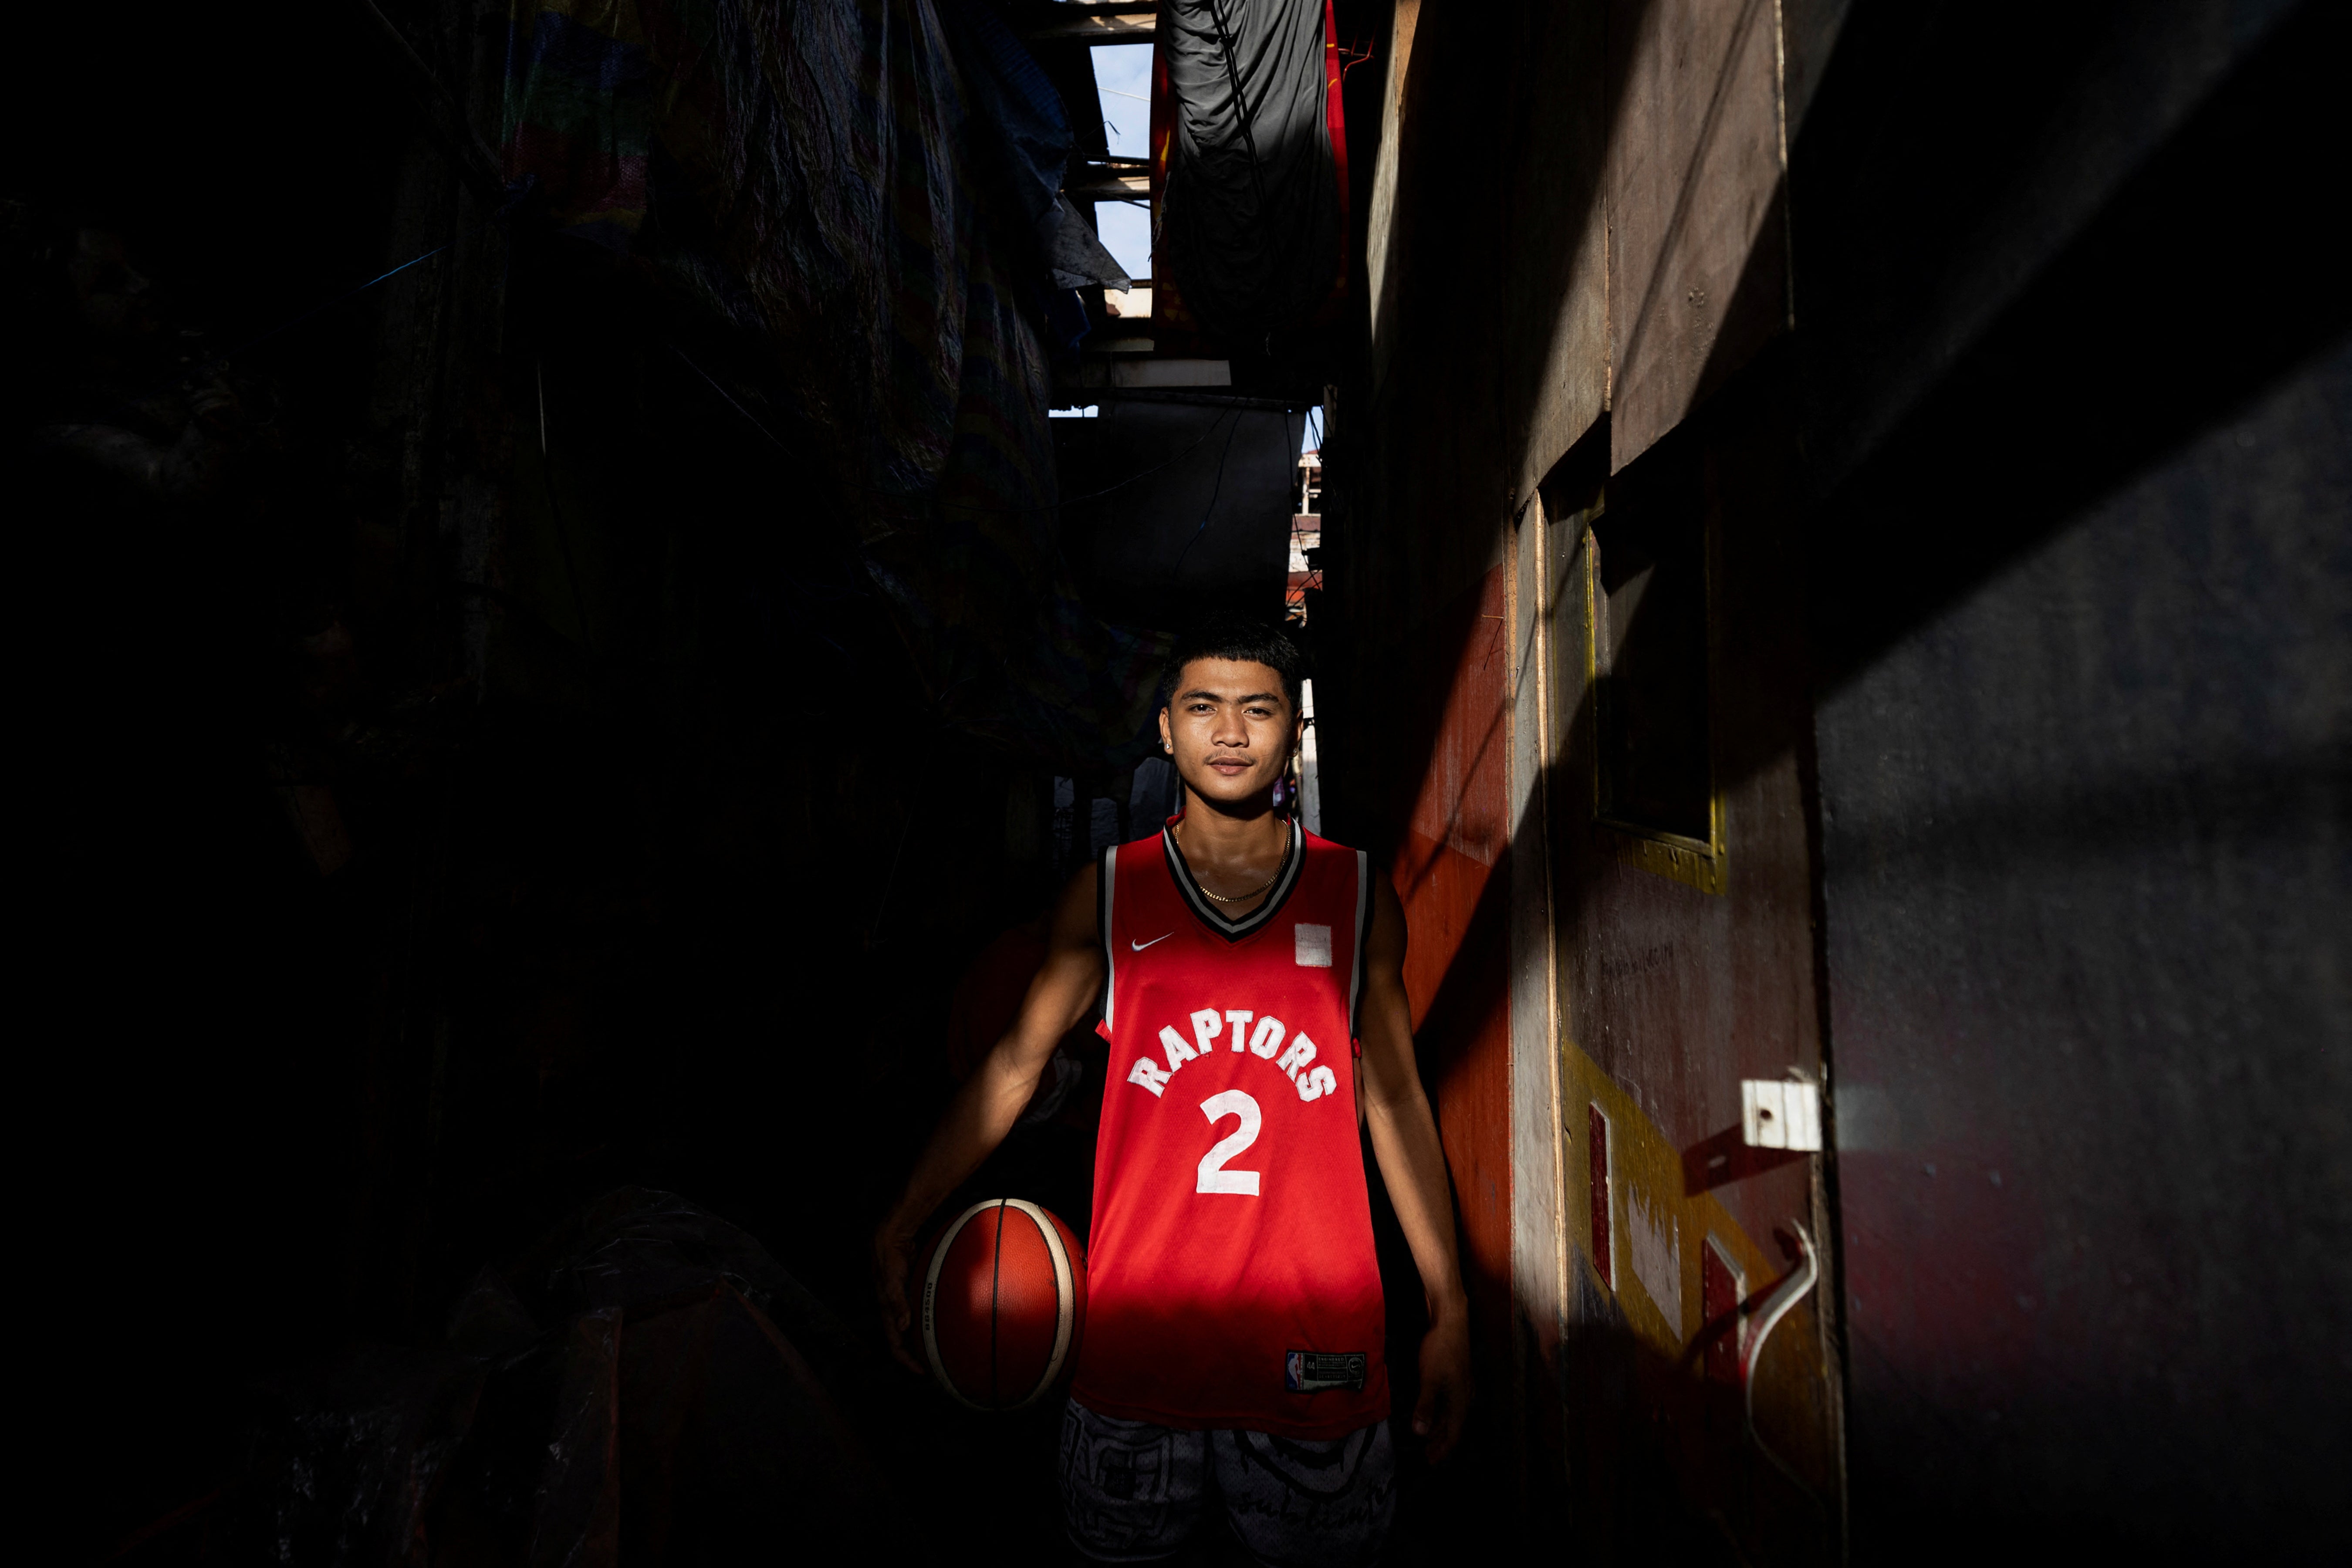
[(1005, 1303)]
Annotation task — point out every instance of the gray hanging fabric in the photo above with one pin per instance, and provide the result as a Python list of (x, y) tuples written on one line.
[(1250, 217), (1073, 252)]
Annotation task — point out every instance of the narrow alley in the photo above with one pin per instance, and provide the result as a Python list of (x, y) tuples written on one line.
[(617, 593)]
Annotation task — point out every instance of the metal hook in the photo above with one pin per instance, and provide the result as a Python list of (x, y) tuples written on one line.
[(1775, 1307)]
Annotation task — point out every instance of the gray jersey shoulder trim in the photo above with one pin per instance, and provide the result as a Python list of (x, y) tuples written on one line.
[(1105, 885), (1363, 936)]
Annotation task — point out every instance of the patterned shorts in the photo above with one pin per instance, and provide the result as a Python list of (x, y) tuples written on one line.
[(1132, 1492)]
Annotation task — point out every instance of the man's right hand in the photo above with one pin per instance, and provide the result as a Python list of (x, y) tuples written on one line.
[(894, 1251)]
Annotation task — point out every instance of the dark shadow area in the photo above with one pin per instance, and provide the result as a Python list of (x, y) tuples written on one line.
[(1651, 647), (395, 897), (1873, 473), (475, 775), (1174, 508), (2081, 907), (2074, 591), (1655, 1425), (2148, 327)]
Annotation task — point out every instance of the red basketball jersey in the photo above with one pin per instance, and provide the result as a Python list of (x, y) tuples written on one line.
[(1230, 1279)]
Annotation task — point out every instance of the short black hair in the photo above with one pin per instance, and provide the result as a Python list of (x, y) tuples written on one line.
[(1244, 640)]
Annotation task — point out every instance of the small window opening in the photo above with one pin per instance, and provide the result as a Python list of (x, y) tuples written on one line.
[(1650, 652)]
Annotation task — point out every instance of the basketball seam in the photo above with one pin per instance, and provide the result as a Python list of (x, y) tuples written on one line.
[(995, 1285), (1065, 1297)]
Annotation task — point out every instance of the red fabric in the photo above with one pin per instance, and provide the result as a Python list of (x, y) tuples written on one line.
[(1195, 1299), (1335, 120)]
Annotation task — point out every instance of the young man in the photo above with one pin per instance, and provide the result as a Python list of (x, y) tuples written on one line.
[(1250, 977)]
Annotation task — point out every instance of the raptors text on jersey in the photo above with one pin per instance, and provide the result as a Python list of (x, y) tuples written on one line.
[(1231, 1279)]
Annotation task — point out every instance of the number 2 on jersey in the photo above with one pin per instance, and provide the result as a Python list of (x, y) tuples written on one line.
[(1214, 1177)]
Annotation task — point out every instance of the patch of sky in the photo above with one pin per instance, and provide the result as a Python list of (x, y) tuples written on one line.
[(1123, 83), (1311, 437), (1088, 412)]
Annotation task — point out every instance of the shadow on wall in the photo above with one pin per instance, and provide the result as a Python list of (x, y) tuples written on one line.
[(2086, 899), (2097, 370), (1887, 552), (2145, 332)]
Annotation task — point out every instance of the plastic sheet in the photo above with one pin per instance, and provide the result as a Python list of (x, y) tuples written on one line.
[(346, 1463), (852, 204)]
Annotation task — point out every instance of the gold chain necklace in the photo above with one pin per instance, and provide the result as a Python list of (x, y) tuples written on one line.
[(1236, 898)]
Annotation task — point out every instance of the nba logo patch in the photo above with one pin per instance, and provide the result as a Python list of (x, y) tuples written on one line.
[(1313, 945), (1311, 1372)]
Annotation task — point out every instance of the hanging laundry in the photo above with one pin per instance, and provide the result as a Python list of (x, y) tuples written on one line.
[(1250, 162)]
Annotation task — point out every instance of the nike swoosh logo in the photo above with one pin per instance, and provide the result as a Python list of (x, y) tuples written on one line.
[(1155, 941)]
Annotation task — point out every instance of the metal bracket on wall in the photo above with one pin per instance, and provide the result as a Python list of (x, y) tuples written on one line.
[(1778, 1114)]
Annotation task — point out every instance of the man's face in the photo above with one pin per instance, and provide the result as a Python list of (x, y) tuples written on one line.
[(1231, 729)]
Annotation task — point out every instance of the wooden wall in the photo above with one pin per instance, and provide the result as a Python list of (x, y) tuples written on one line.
[(1864, 305), (1627, 247)]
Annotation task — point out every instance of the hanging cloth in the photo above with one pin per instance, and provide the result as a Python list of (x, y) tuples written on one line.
[(1249, 163)]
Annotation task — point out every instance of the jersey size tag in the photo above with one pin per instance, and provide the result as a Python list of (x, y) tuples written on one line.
[(1310, 1371), (1312, 944)]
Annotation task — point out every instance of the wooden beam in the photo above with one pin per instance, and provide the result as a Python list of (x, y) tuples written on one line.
[(1097, 185), (1090, 25), (1139, 371)]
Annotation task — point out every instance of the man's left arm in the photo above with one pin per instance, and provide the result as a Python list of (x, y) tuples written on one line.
[(1412, 1164)]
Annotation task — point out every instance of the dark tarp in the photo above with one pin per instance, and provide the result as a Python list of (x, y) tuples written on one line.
[(647, 1384), (1025, 137), (847, 205), (1016, 109), (1211, 530), (1251, 215)]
